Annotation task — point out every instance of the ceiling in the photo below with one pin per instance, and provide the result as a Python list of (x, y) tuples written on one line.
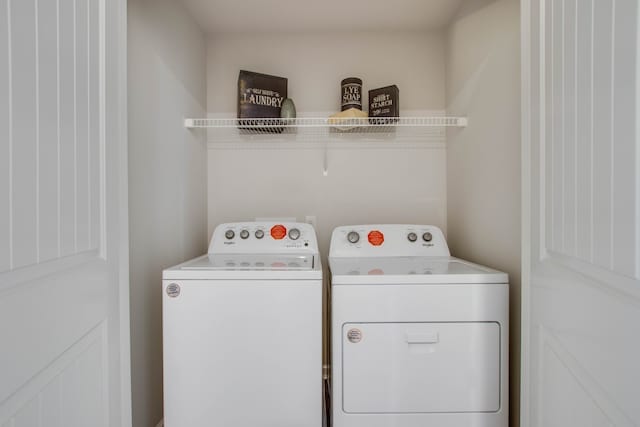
[(219, 16)]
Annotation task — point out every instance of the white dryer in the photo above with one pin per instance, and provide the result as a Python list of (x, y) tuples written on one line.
[(242, 329), (419, 338)]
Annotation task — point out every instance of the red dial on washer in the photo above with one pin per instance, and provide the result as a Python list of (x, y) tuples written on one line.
[(376, 238), (278, 232)]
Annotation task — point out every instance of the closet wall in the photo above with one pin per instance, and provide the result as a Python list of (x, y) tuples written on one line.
[(366, 182), (167, 176), (483, 160)]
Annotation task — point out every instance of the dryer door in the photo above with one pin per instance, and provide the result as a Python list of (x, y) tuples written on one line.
[(421, 367)]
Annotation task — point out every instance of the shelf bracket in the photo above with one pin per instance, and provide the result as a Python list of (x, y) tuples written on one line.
[(325, 160)]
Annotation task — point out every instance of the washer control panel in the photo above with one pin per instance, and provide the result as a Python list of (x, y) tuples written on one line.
[(388, 240), (263, 237)]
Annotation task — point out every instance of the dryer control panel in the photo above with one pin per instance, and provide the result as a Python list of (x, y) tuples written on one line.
[(388, 240), (263, 238)]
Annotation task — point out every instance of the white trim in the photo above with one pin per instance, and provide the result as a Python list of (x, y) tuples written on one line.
[(576, 211), (102, 111), (547, 228), (123, 221), (75, 129), (37, 127), (525, 22), (114, 234), (637, 272), (89, 117), (562, 123), (612, 159), (10, 130), (592, 137), (543, 238), (58, 132)]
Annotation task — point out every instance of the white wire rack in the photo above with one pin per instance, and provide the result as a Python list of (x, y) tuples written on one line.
[(357, 125), (412, 132)]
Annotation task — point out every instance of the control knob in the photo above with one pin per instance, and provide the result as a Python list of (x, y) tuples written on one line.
[(259, 234), (412, 237), (229, 234), (294, 234), (353, 237), (427, 237), (244, 234)]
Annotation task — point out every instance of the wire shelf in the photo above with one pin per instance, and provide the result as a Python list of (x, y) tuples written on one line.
[(323, 124), (322, 133)]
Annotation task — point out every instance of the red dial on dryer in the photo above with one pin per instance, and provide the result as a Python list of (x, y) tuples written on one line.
[(376, 238), (278, 232)]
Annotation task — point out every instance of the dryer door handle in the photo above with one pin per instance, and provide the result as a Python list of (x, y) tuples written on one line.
[(422, 338)]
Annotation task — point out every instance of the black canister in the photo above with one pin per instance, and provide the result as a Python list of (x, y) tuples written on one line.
[(351, 93)]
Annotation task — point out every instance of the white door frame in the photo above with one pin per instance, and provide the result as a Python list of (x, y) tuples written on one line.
[(116, 129), (525, 55)]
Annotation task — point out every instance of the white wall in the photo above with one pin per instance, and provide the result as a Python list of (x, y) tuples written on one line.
[(364, 185), (316, 63), (167, 176), (483, 160)]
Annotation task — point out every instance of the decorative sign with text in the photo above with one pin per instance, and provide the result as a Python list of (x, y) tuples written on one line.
[(260, 95)]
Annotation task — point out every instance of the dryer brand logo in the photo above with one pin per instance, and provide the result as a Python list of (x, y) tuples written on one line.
[(173, 290), (354, 335)]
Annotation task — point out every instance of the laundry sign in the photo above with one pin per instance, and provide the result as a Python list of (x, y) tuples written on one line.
[(260, 95), (256, 96)]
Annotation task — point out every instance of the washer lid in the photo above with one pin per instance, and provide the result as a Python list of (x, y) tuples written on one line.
[(410, 270), (248, 266), (243, 262)]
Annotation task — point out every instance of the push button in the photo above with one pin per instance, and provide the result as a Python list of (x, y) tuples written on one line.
[(278, 232), (376, 238)]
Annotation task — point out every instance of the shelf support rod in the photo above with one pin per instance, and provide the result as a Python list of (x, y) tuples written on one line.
[(325, 160)]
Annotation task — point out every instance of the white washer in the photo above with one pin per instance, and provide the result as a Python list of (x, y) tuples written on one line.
[(242, 330), (419, 338)]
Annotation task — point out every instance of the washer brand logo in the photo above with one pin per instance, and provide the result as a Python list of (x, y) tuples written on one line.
[(173, 290), (354, 335)]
